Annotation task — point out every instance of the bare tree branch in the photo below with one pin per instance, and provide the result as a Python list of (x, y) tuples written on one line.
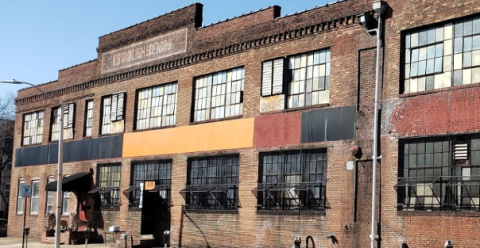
[(7, 117)]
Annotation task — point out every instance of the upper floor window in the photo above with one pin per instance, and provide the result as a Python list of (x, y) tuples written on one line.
[(20, 198), (156, 106), (212, 183), (33, 128), (108, 185), (68, 122), (112, 113), (219, 95), (442, 56), (439, 173), (35, 197), (158, 171), (293, 180), (309, 82), (88, 118)]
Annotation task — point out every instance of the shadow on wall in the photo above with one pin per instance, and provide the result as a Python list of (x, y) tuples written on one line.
[(184, 213)]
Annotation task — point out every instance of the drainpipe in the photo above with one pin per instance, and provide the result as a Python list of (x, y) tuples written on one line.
[(377, 7)]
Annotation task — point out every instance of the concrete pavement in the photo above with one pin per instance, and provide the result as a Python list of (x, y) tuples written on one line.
[(13, 242)]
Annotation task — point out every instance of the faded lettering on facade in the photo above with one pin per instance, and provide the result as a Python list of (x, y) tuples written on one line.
[(145, 51)]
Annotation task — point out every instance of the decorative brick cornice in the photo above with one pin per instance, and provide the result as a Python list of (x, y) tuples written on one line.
[(202, 57)]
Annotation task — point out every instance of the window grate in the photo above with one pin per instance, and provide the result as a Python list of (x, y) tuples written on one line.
[(158, 171)]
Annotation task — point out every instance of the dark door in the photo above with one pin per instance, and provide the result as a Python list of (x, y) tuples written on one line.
[(151, 201)]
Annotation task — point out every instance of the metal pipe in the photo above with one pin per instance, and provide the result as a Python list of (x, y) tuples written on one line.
[(375, 129), (59, 178)]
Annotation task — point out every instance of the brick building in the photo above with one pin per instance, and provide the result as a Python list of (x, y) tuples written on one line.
[(246, 133)]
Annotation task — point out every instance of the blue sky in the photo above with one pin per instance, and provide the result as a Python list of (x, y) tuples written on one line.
[(38, 38)]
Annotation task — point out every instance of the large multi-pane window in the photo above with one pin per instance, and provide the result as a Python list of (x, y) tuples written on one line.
[(439, 173), (68, 121), (35, 197), (108, 185), (212, 182), (442, 56), (112, 113), (49, 201), (156, 106), (292, 180), (20, 199), (158, 171), (309, 79), (88, 118), (219, 95), (33, 128)]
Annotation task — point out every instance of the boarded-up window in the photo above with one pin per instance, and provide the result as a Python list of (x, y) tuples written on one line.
[(33, 128), (272, 77), (68, 120), (112, 111)]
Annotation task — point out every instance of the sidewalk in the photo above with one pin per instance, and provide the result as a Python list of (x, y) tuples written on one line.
[(14, 242)]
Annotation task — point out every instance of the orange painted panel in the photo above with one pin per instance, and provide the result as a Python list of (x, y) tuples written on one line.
[(220, 135)]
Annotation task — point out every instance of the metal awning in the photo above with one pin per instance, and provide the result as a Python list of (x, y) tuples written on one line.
[(131, 188), (78, 182), (159, 188)]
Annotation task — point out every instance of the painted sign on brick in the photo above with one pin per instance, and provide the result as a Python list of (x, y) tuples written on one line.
[(145, 51)]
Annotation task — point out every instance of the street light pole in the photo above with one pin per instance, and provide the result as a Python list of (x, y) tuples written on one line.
[(60, 158)]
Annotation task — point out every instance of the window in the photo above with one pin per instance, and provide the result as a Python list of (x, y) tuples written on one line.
[(309, 79), (272, 77), (35, 197), (293, 180), (33, 128), (68, 121), (219, 95), (20, 201), (156, 106), (66, 203), (212, 183), (88, 118), (442, 56), (108, 178), (112, 112), (49, 202), (439, 173), (158, 171)]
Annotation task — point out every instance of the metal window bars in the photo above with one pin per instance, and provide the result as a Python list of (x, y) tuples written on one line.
[(292, 196), (212, 196), (447, 193)]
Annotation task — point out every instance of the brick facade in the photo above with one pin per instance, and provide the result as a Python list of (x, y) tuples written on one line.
[(265, 125)]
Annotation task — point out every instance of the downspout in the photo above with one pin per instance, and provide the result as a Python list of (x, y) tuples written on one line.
[(376, 157)]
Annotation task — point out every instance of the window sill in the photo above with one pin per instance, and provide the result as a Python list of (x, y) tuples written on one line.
[(458, 213), (153, 128), (117, 208), (292, 212), (297, 109), (110, 134), (212, 211), (216, 120), (427, 92)]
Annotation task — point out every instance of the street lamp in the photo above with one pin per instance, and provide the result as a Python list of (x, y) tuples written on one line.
[(60, 158)]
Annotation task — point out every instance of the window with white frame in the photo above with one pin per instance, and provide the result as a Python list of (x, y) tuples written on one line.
[(20, 199), (33, 128), (49, 201), (219, 95), (442, 56), (35, 197), (66, 202), (309, 82), (156, 106), (88, 118), (68, 121), (112, 111)]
